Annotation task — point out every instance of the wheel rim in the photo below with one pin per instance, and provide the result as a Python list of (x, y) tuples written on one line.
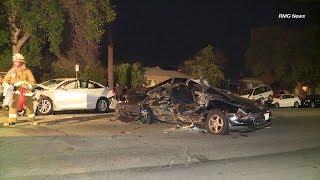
[(44, 106), (312, 104), (216, 124), (296, 104), (102, 105), (277, 105)]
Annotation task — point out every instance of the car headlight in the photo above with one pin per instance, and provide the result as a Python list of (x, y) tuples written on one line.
[(232, 117), (243, 115)]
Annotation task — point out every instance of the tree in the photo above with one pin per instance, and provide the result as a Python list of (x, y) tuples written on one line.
[(32, 26), (291, 54), (62, 32), (202, 65), (122, 74), (136, 77), (87, 23)]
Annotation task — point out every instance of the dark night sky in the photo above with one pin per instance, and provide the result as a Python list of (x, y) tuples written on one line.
[(166, 32)]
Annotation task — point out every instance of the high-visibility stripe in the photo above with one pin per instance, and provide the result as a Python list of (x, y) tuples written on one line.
[(31, 115), (26, 94), (12, 116)]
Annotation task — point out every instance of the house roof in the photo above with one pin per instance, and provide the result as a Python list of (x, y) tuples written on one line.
[(156, 71)]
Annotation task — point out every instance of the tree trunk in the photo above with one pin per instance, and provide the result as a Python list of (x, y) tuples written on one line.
[(17, 42)]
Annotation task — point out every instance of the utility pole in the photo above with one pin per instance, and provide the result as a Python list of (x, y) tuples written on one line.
[(110, 59)]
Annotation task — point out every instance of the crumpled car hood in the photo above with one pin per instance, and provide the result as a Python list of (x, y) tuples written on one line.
[(247, 105)]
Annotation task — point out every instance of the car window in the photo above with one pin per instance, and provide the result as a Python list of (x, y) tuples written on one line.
[(70, 85), (258, 91), (97, 86), (91, 85), (83, 84), (52, 83), (264, 89), (287, 96), (268, 88), (182, 94), (246, 91)]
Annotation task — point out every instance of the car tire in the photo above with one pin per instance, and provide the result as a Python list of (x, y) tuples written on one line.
[(146, 116), (217, 123), (313, 105), (102, 105), (296, 104), (276, 105), (45, 106)]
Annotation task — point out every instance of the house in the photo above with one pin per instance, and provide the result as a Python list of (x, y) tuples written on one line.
[(156, 75)]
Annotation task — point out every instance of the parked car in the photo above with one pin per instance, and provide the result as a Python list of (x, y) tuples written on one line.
[(261, 93), (311, 101), (286, 100), (184, 101), (72, 94)]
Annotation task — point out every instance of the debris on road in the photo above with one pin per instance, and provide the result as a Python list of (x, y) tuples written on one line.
[(125, 132), (187, 128), (171, 163)]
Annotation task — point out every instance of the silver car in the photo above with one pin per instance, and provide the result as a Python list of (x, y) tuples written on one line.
[(72, 94)]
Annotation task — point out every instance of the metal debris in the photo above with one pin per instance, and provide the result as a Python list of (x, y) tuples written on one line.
[(171, 163), (187, 128)]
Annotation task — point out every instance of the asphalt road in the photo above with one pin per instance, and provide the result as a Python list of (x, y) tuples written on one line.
[(96, 147)]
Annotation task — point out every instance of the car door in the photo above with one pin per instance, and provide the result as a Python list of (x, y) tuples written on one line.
[(287, 101), (257, 94), (69, 96), (94, 92), (264, 92)]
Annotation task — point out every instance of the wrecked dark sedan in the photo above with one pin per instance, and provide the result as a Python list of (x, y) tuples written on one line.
[(184, 101)]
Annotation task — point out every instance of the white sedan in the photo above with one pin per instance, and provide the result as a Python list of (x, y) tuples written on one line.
[(287, 100), (72, 94)]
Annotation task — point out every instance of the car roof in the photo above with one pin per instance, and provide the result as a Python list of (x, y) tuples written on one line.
[(287, 94), (175, 81), (72, 79), (65, 79), (261, 85)]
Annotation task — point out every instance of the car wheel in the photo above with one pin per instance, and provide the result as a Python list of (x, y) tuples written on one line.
[(146, 116), (45, 106), (102, 105), (313, 105), (296, 104), (217, 123), (276, 105)]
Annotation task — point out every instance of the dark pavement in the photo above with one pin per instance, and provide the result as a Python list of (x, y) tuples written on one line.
[(100, 148)]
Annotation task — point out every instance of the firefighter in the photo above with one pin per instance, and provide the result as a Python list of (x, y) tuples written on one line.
[(23, 80)]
